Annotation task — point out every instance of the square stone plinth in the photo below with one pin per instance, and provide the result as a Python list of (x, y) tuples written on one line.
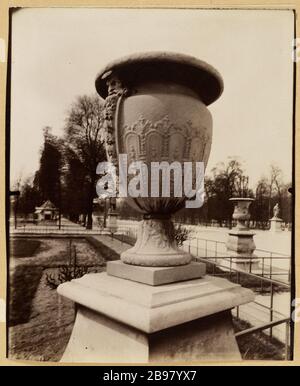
[(154, 308), (123, 321), (99, 339), (156, 275)]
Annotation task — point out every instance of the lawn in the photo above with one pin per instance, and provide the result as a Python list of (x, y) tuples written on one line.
[(40, 321), (23, 247), (46, 333), (107, 253), (24, 282), (258, 346)]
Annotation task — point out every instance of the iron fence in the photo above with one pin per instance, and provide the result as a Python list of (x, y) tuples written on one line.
[(267, 273), (271, 264)]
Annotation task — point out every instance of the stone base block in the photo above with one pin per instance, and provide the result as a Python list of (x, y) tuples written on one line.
[(123, 321), (240, 243), (99, 339), (156, 275)]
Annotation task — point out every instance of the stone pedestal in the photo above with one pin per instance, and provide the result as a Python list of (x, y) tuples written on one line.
[(276, 224), (240, 246), (123, 321)]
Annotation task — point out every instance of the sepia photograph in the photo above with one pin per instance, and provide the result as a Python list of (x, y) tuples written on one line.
[(150, 159)]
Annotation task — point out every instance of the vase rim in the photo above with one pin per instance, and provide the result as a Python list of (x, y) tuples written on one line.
[(198, 75)]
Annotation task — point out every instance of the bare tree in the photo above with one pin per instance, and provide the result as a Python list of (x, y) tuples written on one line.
[(228, 181), (275, 186), (83, 134)]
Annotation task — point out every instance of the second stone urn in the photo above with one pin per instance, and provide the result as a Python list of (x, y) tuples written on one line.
[(241, 212), (240, 244), (155, 111)]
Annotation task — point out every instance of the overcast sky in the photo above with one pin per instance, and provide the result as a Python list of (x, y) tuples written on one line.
[(56, 54)]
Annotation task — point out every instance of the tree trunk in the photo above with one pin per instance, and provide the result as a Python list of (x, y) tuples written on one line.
[(16, 211), (89, 224), (104, 213)]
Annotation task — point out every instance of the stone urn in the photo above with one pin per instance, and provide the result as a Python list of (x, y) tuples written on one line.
[(241, 211), (153, 306), (156, 110), (240, 243)]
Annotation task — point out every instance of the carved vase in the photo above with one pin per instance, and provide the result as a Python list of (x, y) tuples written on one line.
[(241, 211), (240, 241), (156, 110)]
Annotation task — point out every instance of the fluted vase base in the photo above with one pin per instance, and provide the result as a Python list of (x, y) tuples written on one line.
[(156, 246)]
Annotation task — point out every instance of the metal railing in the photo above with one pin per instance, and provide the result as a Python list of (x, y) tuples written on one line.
[(263, 327), (267, 274), (271, 264), (259, 225), (54, 229)]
